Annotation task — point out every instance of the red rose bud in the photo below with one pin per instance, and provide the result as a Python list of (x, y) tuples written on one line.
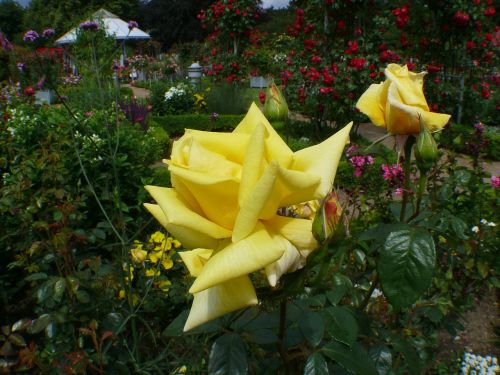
[(325, 225)]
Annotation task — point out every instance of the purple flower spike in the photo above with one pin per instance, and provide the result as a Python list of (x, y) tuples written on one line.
[(47, 33), (89, 25), (31, 36), (132, 25)]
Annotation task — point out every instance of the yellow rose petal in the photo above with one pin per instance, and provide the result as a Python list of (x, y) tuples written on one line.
[(323, 159), (195, 260), (216, 301), (409, 85), (373, 101), (405, 119), (276, 148), (216, 195), (231, 145), (178, 213), (240, 258), (254, 163), (265, 197), (190, 237), (296, 187), (201, 159), (278, 187), (297, 231), (435, 121), (290, 261)]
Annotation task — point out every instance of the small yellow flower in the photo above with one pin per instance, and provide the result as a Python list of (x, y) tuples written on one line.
[(164, 285), (152, 272), (135, 299), (155, 256), (138, 255), (176, 244), (130, 272), (167, 263), (157, 237), (181, 370), (165, 245), (121, 294)]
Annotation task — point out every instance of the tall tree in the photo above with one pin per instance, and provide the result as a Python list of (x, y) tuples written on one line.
[(172, 21), (62, 15), (11, 17)]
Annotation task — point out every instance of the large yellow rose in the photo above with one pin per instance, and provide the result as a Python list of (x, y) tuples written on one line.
[(227, 189), (399, 103)]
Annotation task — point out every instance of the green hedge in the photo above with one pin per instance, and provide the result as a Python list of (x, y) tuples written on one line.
[(175, 124)]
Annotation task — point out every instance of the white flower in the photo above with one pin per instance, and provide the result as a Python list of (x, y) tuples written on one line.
[(475, 229), (492, 224), (484, 221)]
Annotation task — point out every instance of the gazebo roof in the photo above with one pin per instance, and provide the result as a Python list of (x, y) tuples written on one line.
[(114, 26)]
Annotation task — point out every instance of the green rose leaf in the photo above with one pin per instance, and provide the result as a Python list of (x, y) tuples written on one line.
[(316, 365), (312, 327), (354, 359), (176, 327), (263, 337), (228, 356), (39, 324), (59, 287), (406, 265), (17, 339), (410, 355), (341, 324)]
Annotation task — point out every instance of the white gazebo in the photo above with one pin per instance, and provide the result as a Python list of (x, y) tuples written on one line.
[(114, 27)]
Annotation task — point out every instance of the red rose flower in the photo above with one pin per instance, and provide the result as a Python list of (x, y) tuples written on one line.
[(488, 12), (434, 68), (325, 90), (29, 91), (262, 97), (461, 18), (352, 47), (316, 59), (309, 44)]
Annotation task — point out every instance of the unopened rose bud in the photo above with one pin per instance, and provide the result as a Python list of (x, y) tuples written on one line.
[(327, 219), (426, 153), (275, 107)]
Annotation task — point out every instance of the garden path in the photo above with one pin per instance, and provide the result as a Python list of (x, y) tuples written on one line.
[(139, 92)]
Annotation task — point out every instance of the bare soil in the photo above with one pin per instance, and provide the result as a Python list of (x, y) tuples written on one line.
[(479, 335)]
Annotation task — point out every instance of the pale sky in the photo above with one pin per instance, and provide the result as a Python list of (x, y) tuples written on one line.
[(275, 3)]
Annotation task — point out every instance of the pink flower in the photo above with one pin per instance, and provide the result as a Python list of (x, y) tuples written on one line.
[(398, 192), (393, 173), (495, 182), (359, 162), (351, 150)]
